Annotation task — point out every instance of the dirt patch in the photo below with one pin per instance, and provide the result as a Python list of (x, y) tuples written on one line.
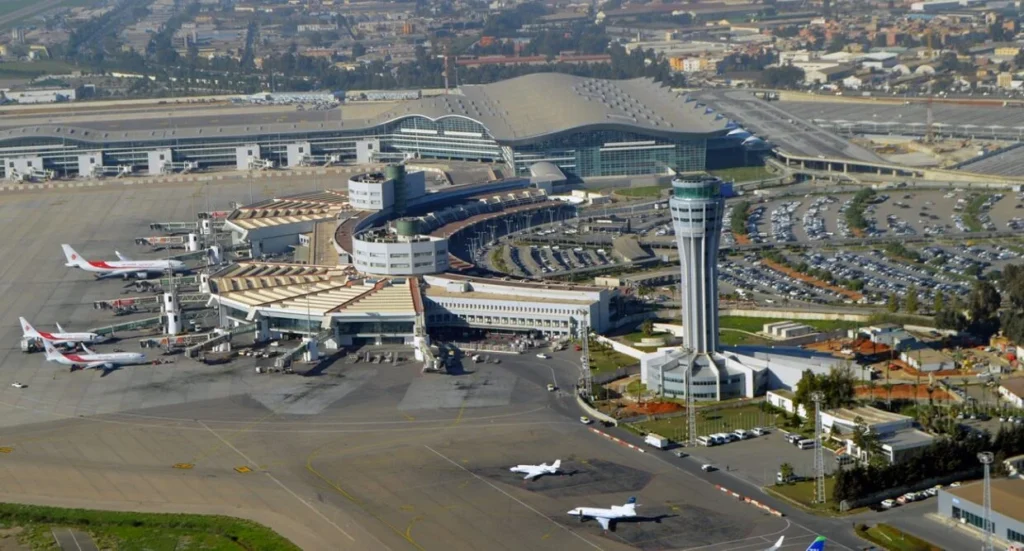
[(741, 238), (811, 280), (903, 392), (9, 539)]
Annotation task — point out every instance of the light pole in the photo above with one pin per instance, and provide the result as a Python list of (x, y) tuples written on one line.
[(986, 459), (819, 453)]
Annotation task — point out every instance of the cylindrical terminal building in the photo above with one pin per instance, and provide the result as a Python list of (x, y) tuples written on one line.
[(697, 210), (382, 252)]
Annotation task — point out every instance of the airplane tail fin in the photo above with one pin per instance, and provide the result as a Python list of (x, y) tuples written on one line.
[(51, 351), (73, 258), (818, 544), (87, 351), (59, 328), (27, 330), (630, 505), (557, 464), (121, 256)]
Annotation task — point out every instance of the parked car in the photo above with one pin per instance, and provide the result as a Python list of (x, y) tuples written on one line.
[(543, 356), (707, 467), (585, 420), (888, 504)]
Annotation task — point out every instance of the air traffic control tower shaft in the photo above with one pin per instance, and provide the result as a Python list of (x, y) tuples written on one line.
[(697, 210)]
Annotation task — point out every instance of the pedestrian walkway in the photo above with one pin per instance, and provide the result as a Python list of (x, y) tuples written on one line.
[(70, 539)]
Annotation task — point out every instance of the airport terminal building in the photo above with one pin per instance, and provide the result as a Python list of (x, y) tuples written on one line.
[(586, 127)]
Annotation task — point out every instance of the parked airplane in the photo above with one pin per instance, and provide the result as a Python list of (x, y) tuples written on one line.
[(122, 268), (92, 360), (61, 337), (606, 516), (534, 471)]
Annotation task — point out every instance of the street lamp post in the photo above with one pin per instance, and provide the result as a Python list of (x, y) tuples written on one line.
[(986, 459)]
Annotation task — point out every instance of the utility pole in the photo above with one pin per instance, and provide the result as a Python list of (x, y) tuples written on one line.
[(586, 378), (819, 452), (986, 459), (691, 403)]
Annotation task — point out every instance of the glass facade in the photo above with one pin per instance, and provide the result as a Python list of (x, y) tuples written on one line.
[(612, 153), (583, 153), (973, 519), (708, 189)]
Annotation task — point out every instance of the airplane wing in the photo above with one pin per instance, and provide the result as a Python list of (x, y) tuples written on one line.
[(532, 475), (59, 328), (86, 348), (120, 273), (605, 522), (99, 365), (121, 256), (777, 546)]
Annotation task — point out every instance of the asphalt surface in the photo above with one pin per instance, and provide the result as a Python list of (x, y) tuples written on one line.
[(359, 456)]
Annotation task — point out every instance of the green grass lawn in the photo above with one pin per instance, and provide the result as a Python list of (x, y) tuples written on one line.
[(894, 539), (710, 421), (735, 338), (635, 337), (155, 532), (608, 360), (754, 325), (644, 192), (743, 173), (803, 493), (35, 68)]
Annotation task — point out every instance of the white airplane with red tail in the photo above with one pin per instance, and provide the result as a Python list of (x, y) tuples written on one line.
[(92, 360), (124, 267), (61, 337)]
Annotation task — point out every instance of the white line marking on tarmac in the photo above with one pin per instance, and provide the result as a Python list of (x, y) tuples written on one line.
[(278, 482), (514, 498)]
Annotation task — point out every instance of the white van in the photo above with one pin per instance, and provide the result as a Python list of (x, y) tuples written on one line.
[(706, 441), (806, 444)]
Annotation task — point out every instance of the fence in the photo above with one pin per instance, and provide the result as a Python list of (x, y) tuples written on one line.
[(620, 373)]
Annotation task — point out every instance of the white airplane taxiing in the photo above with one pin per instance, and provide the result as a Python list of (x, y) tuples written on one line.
[(61, 337), (534, 471), (606, 516), (92, 360), (124, 267)]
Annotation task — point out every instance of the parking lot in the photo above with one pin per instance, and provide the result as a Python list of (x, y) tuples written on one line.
[(757, 459)]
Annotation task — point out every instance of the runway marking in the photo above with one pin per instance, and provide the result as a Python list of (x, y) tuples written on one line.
[(243, 469), (514, 498), (183, 466), (6, 449), (408, 529), (408, 417), (203, 454), (278, 482)]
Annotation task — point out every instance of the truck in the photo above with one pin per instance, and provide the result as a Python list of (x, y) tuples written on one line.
[(656, 441), (31, 344)]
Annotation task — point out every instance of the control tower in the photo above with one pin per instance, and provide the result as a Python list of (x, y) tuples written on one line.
[(697, 209)]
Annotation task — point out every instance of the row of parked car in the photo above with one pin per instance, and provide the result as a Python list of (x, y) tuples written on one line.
[(720, 438), (911, 497)]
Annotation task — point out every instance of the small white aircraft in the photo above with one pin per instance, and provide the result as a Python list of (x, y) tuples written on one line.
[(123, 267), (606, 516), (61, 337), (92, 360), (535, 471)]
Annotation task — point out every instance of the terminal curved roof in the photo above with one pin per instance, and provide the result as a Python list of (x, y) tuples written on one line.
[(515, 111), (541, 104)]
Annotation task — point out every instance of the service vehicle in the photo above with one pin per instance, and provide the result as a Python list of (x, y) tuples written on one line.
[(656, 441)]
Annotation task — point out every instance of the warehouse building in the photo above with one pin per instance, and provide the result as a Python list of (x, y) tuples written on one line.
[(965, 504)]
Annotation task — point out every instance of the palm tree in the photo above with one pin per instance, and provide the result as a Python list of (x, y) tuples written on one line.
[(888, 394), (871, 388)]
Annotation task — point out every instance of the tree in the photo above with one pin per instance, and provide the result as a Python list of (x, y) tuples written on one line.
[(939, 303), (983, 307), (893, 304), (786, 470), (911, 304), (786, 76), (647, 327), (865, 440), (358, 50)]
